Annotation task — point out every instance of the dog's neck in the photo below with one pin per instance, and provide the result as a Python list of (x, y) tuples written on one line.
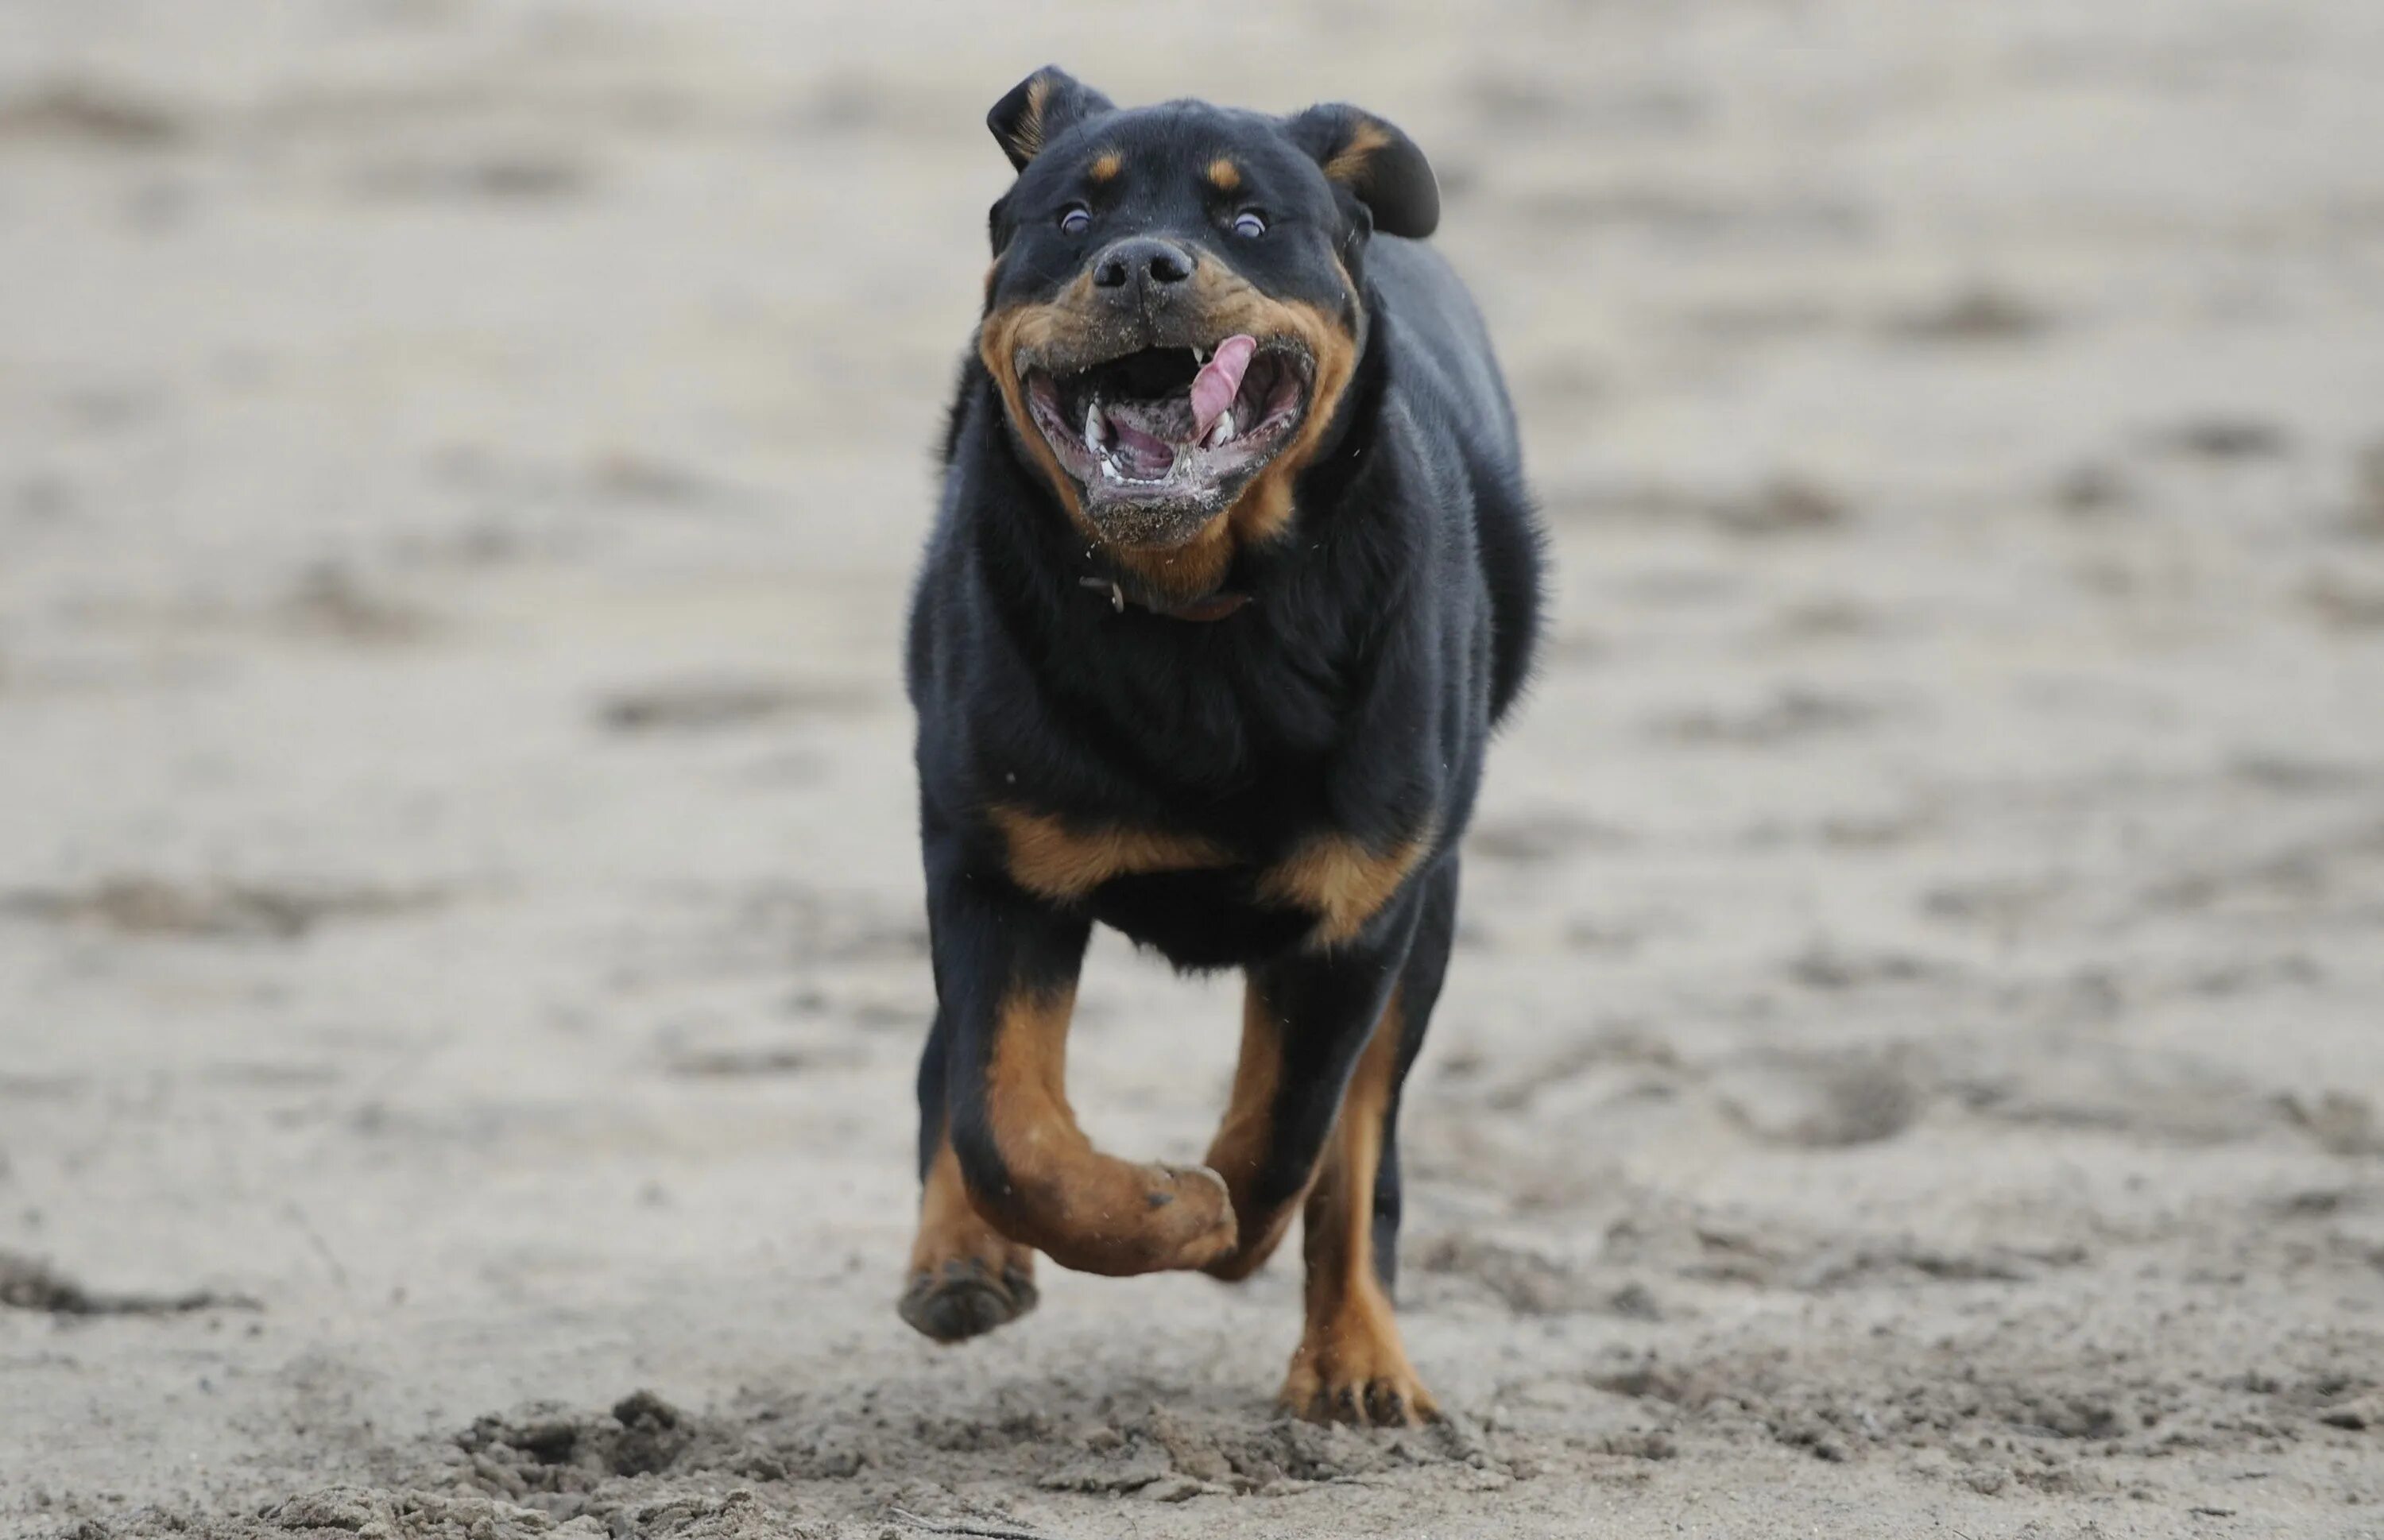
[(1212, 607)]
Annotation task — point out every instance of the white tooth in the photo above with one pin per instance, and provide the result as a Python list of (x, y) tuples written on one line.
[(1093, 427), (1199, 355), (1222, 431)]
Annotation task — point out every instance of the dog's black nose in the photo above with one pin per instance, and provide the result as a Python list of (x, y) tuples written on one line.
[(1142, 261)]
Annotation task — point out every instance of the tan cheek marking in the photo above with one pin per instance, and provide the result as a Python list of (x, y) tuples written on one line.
[(1048, 858), (1342, 881), (1265, 507), (1107, 166), (1223, 175), (1003, 336)]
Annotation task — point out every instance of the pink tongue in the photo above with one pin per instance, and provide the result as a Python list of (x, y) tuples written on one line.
[(1141, 453), (1219, 381)]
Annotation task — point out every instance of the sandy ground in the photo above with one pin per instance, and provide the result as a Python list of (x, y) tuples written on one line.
[(1913, 1061)]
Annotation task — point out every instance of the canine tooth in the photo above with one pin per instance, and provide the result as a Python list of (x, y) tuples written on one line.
[(1199, 355), (1222, 431), (1093, 427)]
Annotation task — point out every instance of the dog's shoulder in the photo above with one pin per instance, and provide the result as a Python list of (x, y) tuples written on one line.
[(1444, 371)]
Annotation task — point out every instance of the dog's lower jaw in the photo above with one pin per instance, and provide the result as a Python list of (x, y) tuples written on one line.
[(1151, 525)]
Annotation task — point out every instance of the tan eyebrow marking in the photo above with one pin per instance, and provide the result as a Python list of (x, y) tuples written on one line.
[(1223, 175), (1107, 166)]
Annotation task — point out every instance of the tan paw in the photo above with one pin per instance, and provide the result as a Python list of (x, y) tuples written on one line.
[(1355, 1372)]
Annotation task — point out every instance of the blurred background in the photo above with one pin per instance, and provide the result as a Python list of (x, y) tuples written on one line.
[(1914, 1049)]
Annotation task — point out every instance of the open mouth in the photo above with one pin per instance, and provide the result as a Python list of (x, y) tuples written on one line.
[(1167, 434)]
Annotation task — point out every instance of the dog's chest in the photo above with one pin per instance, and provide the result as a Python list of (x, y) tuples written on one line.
[(1196, 898)]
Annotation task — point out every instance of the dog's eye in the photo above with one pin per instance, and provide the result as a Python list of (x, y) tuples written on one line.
[(1076, 219), (1249, 224)]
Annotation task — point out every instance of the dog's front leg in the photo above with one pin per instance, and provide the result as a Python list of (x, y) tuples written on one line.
[(1327, 1039), (1006, 964)]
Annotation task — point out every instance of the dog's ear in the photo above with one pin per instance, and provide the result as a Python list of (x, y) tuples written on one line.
[(1378, 165), (1038, 109)]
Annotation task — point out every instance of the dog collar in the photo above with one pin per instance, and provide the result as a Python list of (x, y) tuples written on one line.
[(1217, 606)]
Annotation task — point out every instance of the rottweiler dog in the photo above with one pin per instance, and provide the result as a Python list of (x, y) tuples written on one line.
[(1233, 577)]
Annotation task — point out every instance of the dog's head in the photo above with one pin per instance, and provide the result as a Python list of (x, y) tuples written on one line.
[(1174, 309)]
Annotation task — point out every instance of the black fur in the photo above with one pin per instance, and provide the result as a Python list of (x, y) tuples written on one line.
[(1388, 629)]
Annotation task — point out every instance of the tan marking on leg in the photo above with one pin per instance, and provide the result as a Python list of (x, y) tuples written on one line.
[(1106, 165), (1223, 175), (966, 1277), (1343, 881), (1351, 1366), (1048, 858), (1085, 1210), (1246, 1138)]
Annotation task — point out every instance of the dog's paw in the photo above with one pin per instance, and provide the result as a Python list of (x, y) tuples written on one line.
[(1139, 1219), (1259, 1235), (1191, 1217), (966, 1297), (1358, 1376)]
